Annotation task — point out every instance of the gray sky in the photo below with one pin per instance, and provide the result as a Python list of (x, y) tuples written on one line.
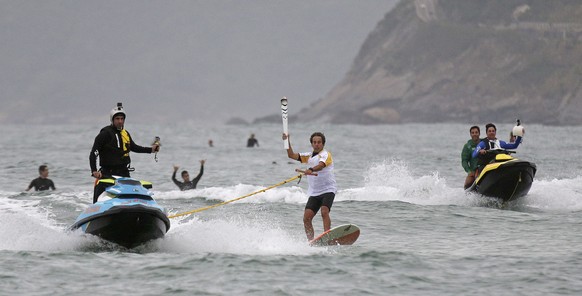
[(172, 61)]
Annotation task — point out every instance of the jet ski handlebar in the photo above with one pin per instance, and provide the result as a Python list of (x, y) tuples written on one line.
[(500, 151)]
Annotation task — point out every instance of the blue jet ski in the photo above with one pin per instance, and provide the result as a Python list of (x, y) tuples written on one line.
[(126, 214)]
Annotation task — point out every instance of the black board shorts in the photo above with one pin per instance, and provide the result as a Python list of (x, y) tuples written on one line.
[(314, 203)]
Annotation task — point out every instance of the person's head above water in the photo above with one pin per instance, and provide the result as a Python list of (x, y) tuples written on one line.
[(491, 131)]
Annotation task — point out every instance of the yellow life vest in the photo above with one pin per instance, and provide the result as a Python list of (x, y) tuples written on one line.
[(125, 142)]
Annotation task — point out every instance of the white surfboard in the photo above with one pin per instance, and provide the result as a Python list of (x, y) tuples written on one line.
[(345, 234)]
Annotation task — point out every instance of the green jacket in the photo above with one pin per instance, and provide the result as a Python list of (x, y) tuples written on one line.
[(467, 161)]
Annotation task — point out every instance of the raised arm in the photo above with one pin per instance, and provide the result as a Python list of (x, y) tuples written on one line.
[(197, 178), (513, 145), (178, 183), (290, 152)]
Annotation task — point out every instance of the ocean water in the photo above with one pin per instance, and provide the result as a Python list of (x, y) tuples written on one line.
[(402, 184)]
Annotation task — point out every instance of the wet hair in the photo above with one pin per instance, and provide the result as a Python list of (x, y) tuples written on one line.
[(184, 173), (487, 126), (317, 134), (42, 168), (476, 128)]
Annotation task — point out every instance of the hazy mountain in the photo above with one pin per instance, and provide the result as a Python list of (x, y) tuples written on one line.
[(464, 61), (204, 61)]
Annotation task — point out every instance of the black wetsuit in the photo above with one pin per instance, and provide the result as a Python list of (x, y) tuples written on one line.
[(41, 184), (188, 185), (252, 142), (113, 151)]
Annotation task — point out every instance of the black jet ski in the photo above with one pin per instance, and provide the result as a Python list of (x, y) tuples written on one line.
[(126, 214), (505, 177)]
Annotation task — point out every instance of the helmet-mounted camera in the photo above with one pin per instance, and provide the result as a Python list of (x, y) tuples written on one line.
[(118, 110)]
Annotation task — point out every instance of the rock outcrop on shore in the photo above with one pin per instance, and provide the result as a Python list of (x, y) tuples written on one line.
[(464, 61)]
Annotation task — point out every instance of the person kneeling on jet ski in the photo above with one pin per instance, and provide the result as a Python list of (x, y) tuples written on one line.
[(112, 145), (491, 143)]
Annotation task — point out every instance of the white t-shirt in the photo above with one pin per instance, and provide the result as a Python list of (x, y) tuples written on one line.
[(325, 180)]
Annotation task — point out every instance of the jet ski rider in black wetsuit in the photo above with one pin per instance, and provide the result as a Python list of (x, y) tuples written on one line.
[(112, 145)]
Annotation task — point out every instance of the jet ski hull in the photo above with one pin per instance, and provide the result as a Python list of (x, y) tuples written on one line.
[(508, 181), (127, 226), (127, 215)]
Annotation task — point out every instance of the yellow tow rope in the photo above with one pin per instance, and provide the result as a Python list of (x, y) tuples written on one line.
[(232, 200)]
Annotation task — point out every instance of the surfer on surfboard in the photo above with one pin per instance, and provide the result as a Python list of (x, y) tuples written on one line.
[(322, 185)]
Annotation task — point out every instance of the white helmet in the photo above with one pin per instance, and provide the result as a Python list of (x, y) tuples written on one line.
[(116, 111)]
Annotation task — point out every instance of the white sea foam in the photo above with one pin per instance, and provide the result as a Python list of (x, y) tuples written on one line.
[(236, 236), (393, 181)]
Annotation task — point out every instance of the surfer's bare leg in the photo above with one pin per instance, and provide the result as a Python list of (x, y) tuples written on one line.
[(325, 217), (307, 223)]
